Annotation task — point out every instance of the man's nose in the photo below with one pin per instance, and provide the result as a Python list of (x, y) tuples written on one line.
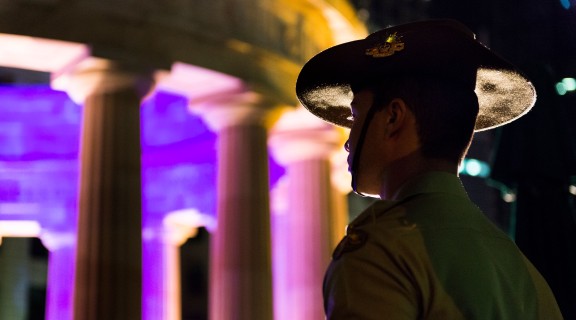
[(347, 145)]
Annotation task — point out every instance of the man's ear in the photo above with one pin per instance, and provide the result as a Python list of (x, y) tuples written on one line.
[(395, 115)]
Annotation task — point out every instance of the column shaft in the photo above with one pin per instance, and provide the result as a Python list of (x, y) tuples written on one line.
[(305, 146), (108, 277), (161, 273), (309, 234), (241, 274), (60, 287), (154, 273)]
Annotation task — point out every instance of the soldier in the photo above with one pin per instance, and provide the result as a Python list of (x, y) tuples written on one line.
[(412, 96)]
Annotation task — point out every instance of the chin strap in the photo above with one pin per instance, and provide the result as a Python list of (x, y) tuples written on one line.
[(359, 145)]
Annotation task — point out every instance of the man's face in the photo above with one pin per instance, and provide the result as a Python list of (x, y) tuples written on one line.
[(373, 158)]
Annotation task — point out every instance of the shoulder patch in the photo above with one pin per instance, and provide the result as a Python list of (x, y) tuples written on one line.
[(353, 240)]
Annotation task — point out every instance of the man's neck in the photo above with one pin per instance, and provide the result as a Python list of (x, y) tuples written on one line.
[(411, 166)]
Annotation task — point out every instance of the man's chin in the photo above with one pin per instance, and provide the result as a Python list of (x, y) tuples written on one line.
[(377, 196), (365, 193)]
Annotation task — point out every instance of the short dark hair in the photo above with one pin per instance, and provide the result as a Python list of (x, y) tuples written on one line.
[(445, 112)]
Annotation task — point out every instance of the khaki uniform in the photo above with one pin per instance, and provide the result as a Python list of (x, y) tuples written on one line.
[(432, 254)]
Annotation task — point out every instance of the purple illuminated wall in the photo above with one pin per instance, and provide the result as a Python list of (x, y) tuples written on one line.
[(39, 139), (39, 134)]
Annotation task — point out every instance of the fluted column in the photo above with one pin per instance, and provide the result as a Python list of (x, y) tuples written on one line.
[(108, 258), (60, 284), (304, 146), (240, 256), (162, 285), (341, 188), (161, 273)]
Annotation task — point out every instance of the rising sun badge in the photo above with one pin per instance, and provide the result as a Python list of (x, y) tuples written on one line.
[(392, 45)]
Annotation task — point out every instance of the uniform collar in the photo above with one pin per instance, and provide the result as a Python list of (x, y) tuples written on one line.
[(429, 182)]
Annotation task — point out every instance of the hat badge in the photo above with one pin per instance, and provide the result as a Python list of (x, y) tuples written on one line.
[(392, 45)]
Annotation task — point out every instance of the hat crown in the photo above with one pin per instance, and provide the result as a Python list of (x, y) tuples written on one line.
[(424, 27), (445, 49)]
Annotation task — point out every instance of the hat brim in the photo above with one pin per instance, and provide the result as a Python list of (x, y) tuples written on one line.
[(438, 48)]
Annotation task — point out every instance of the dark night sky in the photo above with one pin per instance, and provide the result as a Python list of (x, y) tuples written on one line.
[(526, 32)]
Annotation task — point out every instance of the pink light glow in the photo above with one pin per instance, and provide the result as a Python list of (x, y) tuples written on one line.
[(19, 228), (45, 55)]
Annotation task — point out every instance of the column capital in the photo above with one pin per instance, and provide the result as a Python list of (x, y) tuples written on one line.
[(233, 109), (97, 75), (173, 234), (54, 240), (178, 226), (299, 136)]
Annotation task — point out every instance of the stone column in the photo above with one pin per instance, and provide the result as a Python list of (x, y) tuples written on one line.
[(341, 188), (304, 145), (60, 286), (240, 257), (161, 273), (14, 278), (108, 257)]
